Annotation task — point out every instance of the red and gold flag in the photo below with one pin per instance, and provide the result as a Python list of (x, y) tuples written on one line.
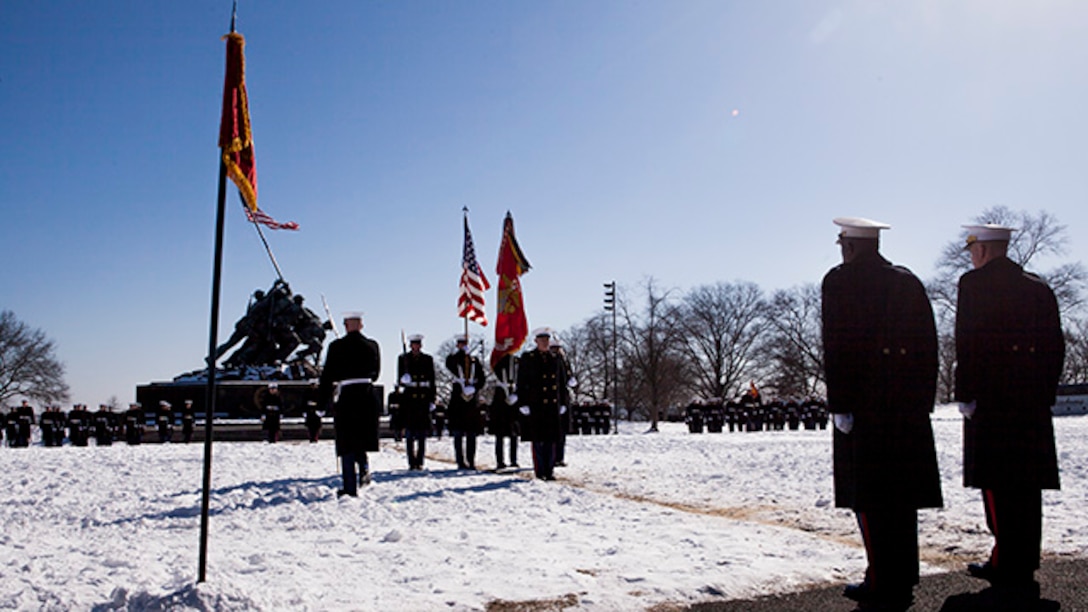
[(235, 137), (511, 327)]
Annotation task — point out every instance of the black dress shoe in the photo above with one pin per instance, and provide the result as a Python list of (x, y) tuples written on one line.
[(341, 493), (857, 592), (985, 571)]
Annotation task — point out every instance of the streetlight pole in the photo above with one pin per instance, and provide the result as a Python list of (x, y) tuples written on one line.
[(610, 306)]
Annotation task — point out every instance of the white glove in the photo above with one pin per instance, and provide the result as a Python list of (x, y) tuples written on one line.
[(572, 382), (406, 379), (469, 391), (562, 410), (968, 409), (844, 422), (430, 408), (524, 410), (512, 399)]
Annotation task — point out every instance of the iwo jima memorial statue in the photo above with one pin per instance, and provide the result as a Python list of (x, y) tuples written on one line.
[(281, 341)]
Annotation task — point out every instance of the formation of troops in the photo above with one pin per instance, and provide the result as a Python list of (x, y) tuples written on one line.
[(80, 425), (749, 414)]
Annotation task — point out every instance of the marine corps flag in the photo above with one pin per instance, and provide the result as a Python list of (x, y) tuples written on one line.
[(236, 138), (511, 328)]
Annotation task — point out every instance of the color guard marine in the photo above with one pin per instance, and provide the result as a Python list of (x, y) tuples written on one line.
[(416, 378), (465, 422), (134, 423), (503, 421)]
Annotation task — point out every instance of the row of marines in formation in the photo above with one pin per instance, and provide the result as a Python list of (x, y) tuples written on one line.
[(80, 424), (742, 415)]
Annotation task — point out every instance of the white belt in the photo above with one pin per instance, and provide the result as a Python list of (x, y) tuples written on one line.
[(345, 383), (354, 381), (422, 383)]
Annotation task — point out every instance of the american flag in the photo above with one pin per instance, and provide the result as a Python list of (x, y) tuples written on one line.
[(260, 216), (470, 303)]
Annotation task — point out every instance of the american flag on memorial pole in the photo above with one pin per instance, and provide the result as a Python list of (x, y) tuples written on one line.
[(470, 303), (259, 216)]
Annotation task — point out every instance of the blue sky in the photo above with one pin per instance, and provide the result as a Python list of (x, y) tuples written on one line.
[(689, 141)]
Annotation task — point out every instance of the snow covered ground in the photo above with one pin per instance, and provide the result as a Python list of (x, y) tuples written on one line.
[(637, 521)]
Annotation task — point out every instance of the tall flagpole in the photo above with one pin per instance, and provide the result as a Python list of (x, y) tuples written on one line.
[(209, 395), (213, 340)]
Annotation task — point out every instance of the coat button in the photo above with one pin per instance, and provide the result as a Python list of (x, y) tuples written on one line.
[(887, 351), (902, 351)]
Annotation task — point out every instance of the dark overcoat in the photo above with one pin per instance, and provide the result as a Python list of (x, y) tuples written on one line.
[(542, 386), (880, 360), (503, 419), (1009, 356), (355, 413), (464, 414), (417, 397)]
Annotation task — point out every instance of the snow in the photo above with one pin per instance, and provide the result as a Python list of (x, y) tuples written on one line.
[(637, 521)]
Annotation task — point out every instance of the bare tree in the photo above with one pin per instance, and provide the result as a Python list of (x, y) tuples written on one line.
[(1076, 353), (28, 366), (588, 351), (653, 373), (792, 350), (721, 325)]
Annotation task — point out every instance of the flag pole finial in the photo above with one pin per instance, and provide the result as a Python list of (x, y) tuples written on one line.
[(233, 15)]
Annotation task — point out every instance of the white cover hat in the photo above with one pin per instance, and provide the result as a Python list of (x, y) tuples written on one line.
[(987, 232), (542, 331), (859, 227), (415, 338)]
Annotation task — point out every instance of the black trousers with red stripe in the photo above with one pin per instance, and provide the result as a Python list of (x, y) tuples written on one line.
[(1015, 517), (891, 546)]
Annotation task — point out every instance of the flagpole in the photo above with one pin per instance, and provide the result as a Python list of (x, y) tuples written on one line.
[(209, 396), (213, 341)]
